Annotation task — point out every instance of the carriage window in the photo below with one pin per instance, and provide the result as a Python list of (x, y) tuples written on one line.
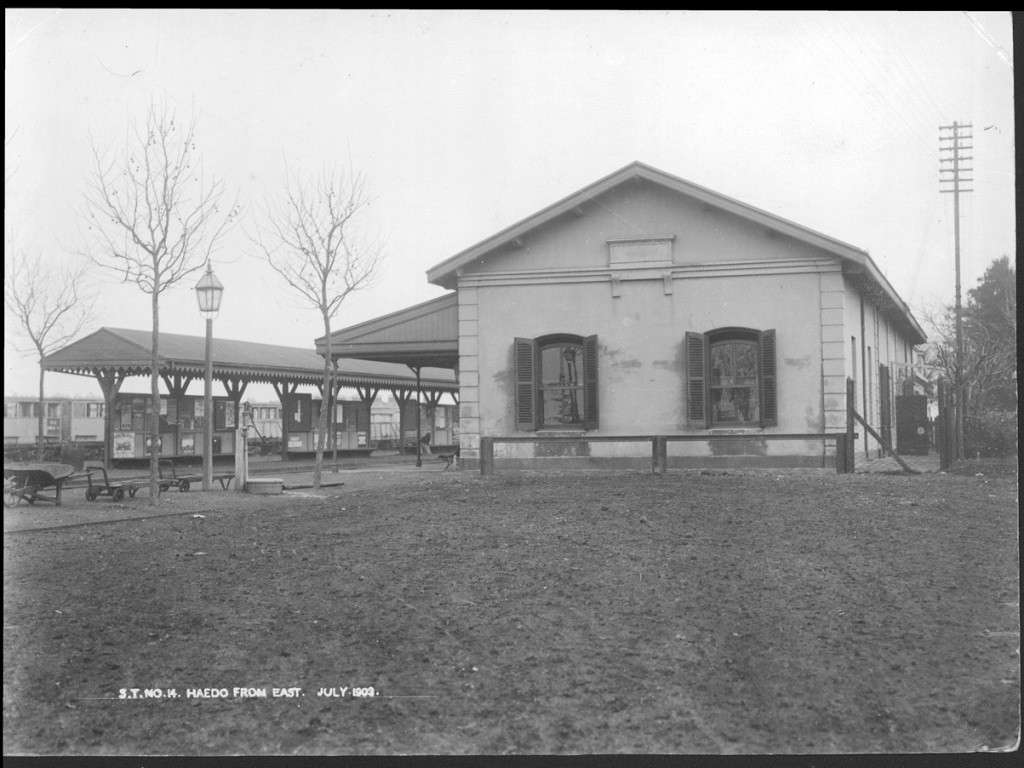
[(734, 388)]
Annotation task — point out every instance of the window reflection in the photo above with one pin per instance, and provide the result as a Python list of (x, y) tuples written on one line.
[(734, 397), (561, 384)]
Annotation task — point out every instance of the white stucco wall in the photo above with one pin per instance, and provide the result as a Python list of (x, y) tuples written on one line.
[(724, 271)]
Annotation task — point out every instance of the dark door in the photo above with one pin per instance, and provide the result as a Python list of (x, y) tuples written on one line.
[(912, 425), (885, 404)]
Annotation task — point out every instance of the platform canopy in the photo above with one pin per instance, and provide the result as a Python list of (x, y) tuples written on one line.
[(420, 336), (126, 352)]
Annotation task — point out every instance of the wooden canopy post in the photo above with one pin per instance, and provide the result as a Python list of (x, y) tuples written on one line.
[(235, 387), (419, 393), (335, 391), (367, 395), (284, 391), (330, 402), (176, 385), (110, 383), (402, 396), (433, 398)]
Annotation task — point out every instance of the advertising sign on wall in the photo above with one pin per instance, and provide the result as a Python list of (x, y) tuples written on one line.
[(295, 441), (298, 413), (124, 445)]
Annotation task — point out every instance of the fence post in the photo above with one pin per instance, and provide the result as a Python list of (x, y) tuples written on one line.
[(851, 448), (486, 455), (241, 459), (659, 454), (841, 455), (942, 428)]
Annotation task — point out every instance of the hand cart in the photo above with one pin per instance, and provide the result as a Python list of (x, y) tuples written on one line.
[(115, 490)]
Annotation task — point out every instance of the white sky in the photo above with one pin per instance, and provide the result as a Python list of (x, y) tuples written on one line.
[(465, 122)]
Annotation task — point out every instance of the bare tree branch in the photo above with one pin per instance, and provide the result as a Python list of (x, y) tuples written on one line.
[(50, 306), (310, 237), (153, 220), (989, 341)]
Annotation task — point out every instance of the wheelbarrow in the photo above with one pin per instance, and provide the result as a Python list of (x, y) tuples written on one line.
[(115, 490), (27, 482)]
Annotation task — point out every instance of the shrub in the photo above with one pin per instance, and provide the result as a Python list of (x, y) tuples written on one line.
[(990, 434)]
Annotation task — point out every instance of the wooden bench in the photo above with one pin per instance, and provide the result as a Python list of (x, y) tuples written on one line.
[(184, 482)]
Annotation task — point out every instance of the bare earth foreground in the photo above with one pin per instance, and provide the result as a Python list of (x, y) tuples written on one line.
[(526, 613)]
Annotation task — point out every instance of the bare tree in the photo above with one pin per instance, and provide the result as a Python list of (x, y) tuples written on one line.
[(154, 220), (990, 341), (311, 239), (47, 300)]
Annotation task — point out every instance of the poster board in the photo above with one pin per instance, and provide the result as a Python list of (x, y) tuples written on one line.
[(124, 445)]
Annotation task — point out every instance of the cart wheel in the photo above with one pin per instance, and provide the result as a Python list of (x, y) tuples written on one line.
[(90, 496), (163, 488), (119, 494), (12, 493), (184, 486)]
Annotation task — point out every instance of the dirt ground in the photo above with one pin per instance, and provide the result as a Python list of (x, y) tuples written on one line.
[(585, 612)]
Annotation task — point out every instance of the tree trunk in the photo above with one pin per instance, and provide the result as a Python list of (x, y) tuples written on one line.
[(318, 467), (40, 453), (154, 428)]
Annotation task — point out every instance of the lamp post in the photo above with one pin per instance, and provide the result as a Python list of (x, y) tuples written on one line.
[(208, 292)]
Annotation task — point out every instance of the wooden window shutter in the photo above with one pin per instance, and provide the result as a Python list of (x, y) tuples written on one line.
[(696, 379), (525, 351), (590, 382), (769, 398)]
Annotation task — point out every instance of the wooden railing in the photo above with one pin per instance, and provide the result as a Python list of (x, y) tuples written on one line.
[(659, 445)]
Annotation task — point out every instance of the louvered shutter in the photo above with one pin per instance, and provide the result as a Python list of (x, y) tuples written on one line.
[(696, 379), (525, 351), (769, 399), (590, 382)]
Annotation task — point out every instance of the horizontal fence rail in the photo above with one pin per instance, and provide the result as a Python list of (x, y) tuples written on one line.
[(659, 445)]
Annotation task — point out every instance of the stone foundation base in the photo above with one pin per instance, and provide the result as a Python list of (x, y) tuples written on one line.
[(644, 464)]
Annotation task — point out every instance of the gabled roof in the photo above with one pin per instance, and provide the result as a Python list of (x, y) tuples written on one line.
[(424, 334), (854, 260), (130, 351)]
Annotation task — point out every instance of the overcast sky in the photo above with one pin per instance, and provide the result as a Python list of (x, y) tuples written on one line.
[(466, 122)]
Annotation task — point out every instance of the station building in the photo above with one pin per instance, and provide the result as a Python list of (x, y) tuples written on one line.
[(644, 305)]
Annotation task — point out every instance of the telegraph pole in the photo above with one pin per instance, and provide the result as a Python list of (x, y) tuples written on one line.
[(957, 134)]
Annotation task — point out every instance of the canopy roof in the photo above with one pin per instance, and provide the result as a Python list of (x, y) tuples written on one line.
[(129, 352), (422, 335)]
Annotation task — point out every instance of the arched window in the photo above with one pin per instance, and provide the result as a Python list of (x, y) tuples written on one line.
[(556, 382), (731, 378), (733, 384)]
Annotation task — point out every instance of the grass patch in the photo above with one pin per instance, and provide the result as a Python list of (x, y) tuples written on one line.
[(532, 613)]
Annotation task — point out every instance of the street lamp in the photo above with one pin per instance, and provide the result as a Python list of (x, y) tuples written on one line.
[(208, 292)]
